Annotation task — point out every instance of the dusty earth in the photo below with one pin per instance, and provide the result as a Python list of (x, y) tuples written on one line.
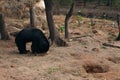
[(86, 58)]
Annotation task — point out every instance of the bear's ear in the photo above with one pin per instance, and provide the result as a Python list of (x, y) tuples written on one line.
[(14, 34)]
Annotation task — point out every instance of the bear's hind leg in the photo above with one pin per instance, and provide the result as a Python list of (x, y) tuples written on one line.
[(34, 47)]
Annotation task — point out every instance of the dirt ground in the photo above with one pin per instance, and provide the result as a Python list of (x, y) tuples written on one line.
[(92, 54)]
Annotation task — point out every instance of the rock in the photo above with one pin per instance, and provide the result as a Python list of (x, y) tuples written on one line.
[(98, 32), (40, 5), (75, 31), (95, 49)]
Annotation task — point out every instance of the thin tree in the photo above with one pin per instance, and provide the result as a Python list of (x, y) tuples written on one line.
[(109, 2), (32, 15), (84, 2), (32, 19), (68, 15), (97, 3), (91, 16), (118, 22), (54, 35), (3, 32)]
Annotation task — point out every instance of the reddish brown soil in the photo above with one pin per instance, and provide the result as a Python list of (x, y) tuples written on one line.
[(86, 58)]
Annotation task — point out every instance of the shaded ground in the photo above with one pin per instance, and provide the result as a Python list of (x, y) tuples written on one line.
[(86, 58)]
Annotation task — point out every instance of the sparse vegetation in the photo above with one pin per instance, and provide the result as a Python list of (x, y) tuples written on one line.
[(103, 47), (61, 29), (53, 69)]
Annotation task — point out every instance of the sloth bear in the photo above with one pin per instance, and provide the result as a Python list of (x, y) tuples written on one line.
[(40, 43)]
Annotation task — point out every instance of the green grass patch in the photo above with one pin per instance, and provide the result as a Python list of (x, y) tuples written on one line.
[(53, 69)]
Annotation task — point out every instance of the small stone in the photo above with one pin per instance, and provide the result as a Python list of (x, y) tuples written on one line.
[(95, 49)]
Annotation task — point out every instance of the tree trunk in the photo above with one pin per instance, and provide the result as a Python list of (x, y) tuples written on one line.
[(68, 15), (109, 2), (97, 3), (84, 2), (49, 13), (3, 32), (54, 35), (91, 16), (118, 21), (32, 16)]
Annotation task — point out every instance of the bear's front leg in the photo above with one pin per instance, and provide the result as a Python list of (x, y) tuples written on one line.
[(22, 48)]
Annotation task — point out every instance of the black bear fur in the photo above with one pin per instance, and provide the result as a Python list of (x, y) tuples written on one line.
[(40, 43)]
